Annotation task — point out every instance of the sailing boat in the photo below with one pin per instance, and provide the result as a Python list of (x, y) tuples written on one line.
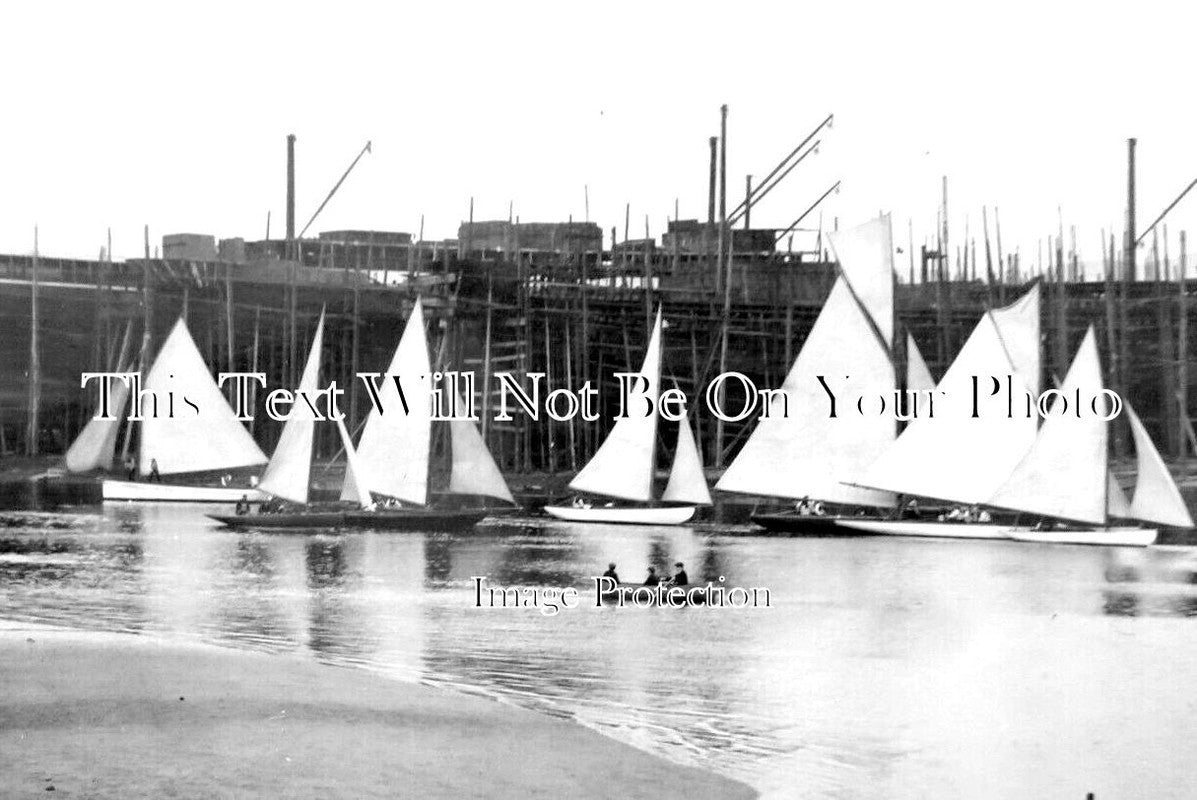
[(1064, 479), (394, 454), (95, 446), (288, 475), (182, 442), (623, 466), (805, 454), (951, 454)]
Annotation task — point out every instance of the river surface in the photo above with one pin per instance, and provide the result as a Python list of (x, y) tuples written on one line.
[(896, 668)]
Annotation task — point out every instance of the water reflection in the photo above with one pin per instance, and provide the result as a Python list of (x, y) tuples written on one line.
[(831, 683)]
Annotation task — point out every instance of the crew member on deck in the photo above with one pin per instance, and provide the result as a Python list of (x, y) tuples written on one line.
[(154, 476), (610, 573), (652, 579), (131, 467), (243, 505), (680, 578)]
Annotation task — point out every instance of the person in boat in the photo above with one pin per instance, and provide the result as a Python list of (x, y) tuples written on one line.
[(680, 578), (610, 573), (653, 579), (131, 467), (911, 510), (154, 476), (243, 505), (803, 507), (580, 503)]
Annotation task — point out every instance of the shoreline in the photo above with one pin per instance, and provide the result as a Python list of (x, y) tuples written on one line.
[(101, 714)]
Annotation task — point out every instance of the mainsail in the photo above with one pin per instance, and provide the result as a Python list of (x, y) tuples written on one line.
[(952, 454), (396, 445), (290, 468), (1064, 474), (687, 483), (95, 446), (1156, 497), (800, 450), (96, 443), (474, 470), (1018, 325), (187, 441), (623, 465)]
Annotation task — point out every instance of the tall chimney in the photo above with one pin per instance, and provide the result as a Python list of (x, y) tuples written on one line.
[(1131, 249), (711, 193), (290, 188)]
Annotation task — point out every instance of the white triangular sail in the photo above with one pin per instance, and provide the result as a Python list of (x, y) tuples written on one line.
[(1064, 475), (687, 482), (623, 465), (1156, 498), (290, 468), (395, 447), (918, 377), (353, 489), (950, 454), (800, 450), (1117, 506), (866, 258), (474, 470), (190, 441), (95, 445), (1018, 324)]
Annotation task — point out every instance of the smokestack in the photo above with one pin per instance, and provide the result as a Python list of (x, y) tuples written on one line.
[(290, 187), (1131, 248), (711, 193)]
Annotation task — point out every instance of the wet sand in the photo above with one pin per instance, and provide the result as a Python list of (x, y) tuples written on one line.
[(110, 715)]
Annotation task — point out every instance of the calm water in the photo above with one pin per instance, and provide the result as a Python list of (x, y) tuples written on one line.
[(886, 667)]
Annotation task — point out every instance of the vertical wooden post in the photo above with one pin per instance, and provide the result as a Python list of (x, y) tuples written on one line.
[(727, 281), (486, 355), (747, 202), (910, 250), (35, 357), (1182, 353), (1165, 342), (569, 381), (228, 314), (1112, 334), (1062, 359), (997, 225), (147, 337), (648, 277), (254, 365)]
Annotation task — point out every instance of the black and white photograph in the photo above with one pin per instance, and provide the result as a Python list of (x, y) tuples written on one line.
[(649, 400)]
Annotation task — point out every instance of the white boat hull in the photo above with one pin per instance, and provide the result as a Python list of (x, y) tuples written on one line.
[(662, 515), (934, 529), (176, 493), (1107, 537)]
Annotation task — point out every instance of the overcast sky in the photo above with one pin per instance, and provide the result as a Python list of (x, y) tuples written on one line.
[(123, 115)]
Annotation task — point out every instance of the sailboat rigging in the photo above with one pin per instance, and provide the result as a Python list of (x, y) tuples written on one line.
[(624, 464)]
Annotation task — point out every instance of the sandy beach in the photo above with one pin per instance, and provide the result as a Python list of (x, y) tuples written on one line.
[(109, 715)]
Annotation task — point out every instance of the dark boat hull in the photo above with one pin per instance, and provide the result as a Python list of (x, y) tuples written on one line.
[(417, 519), (791, 524), (295, 521)]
